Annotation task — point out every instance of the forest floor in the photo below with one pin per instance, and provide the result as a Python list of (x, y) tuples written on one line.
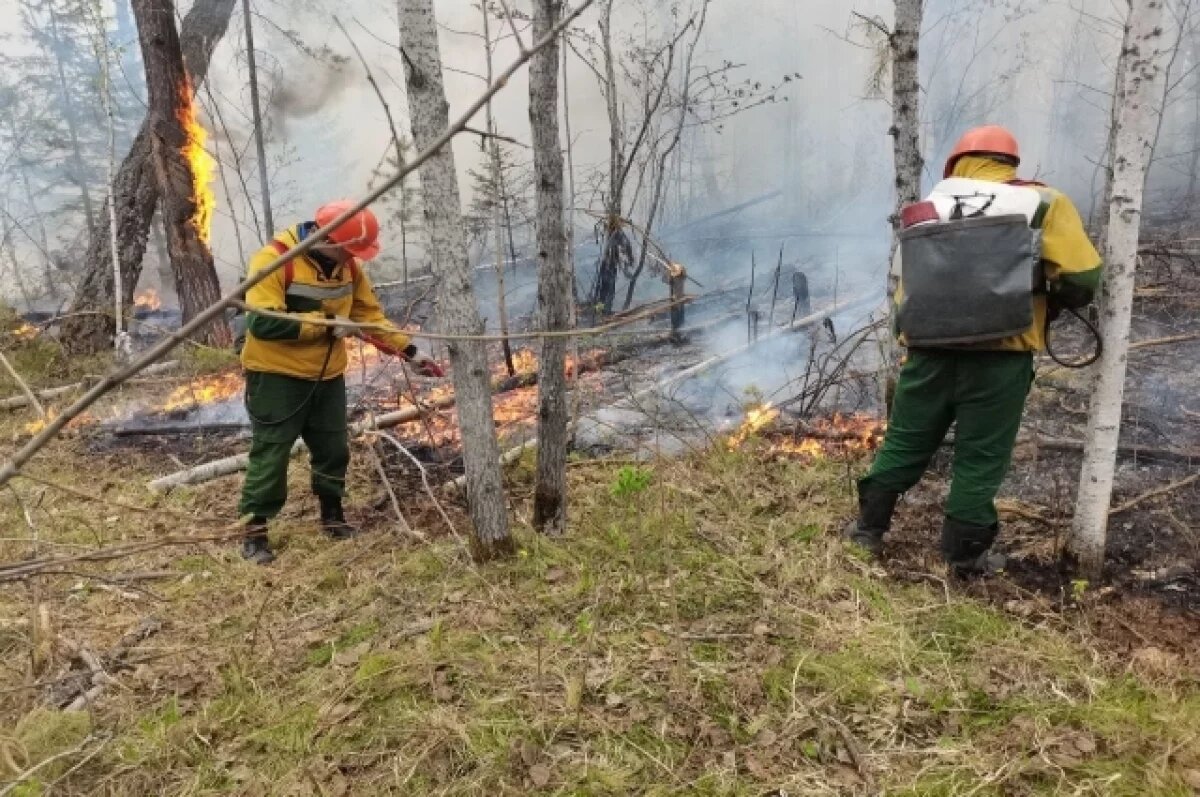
[(700, 629)]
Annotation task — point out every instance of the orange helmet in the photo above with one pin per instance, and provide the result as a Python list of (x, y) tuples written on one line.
[(358, 235), (986, 140)]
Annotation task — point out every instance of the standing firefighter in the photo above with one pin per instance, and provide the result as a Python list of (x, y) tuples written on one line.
[(295, 383), (985, 261)]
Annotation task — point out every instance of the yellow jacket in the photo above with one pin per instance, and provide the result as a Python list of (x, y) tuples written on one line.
[(295, 348), (1067, 254)]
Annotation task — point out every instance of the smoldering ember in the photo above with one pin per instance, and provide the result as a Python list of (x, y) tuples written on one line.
[(603, 397)]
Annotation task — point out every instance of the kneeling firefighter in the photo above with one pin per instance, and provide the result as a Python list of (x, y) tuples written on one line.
[(984, 262), (295, 383)]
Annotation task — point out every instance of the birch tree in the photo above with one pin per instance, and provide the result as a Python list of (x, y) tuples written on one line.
[(1139, 105), (904, 44), (456, 300), (555, 288)]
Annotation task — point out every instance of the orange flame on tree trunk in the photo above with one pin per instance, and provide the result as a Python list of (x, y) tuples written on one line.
[(201, 163)]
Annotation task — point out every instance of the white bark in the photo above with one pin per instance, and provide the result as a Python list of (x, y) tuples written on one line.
[(555, 294), (456, 300), (1133, 144), (906, 92), (904, 46), (122, 343)]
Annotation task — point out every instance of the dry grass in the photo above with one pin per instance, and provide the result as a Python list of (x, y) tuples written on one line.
[(699, 631)]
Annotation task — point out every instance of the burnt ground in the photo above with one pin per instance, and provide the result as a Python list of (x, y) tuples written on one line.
[(1149, 597)]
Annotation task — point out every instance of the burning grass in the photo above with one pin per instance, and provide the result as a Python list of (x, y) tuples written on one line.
[(699, 630)]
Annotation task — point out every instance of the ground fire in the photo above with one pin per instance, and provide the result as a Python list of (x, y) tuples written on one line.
[(147, 300)]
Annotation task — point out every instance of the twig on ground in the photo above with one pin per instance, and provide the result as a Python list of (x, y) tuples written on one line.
[(1168, 488), (424, 478), (1145, 344), (387, 485), (21, 383), (29, 773)]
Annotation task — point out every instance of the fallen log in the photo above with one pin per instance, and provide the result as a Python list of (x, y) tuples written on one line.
[(1126, 451), (180, 428), (238, 462), (17, 402)]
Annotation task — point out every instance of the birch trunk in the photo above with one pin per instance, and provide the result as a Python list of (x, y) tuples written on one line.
[(122, 343), (906, 106), (169, 92), (554, 278), (135, 196), (904, 44), (456, 300), (1133, 145)]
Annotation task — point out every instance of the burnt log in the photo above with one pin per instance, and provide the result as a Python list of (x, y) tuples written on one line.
[(171, 109), (90, 327)]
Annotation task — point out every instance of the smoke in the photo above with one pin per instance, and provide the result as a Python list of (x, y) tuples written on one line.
[(303, 90)]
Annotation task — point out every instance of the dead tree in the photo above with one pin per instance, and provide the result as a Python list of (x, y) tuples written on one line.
[(555, 294), (1139, 103), (90, 328), (171, 110), (256, 110), (456, 299)]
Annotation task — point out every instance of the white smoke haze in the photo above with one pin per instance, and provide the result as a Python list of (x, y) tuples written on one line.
[(1043, 70)]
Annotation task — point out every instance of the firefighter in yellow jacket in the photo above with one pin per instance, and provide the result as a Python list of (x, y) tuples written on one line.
[(295, 383), (985, 259)]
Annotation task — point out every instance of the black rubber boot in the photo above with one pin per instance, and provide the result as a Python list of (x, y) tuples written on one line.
[(333, 521), (875, 508), (255, 547), (967, 548)]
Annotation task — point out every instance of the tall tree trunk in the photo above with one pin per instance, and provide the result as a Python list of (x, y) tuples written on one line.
[(136, 196), (498, 196), (122, 343), (1141, 101), (72, 120), (606, 281), (906, 95), (554, 277), (260, 142), (172, 104), (904, 44), (456, 299)]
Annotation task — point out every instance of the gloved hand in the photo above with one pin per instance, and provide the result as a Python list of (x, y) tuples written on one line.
[(425, 365), (339, 332)]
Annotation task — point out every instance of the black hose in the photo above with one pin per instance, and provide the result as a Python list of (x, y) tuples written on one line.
[(1090, 359), (303, 404)]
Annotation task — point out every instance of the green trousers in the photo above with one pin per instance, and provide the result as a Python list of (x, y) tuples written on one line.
[(983, 395), (283, 408)]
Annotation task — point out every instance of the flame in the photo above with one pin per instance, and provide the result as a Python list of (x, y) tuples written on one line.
[(147, 300), (756, 419), (201, 163), (839, 434), (35, 426), (26, 331), (206, 390)]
